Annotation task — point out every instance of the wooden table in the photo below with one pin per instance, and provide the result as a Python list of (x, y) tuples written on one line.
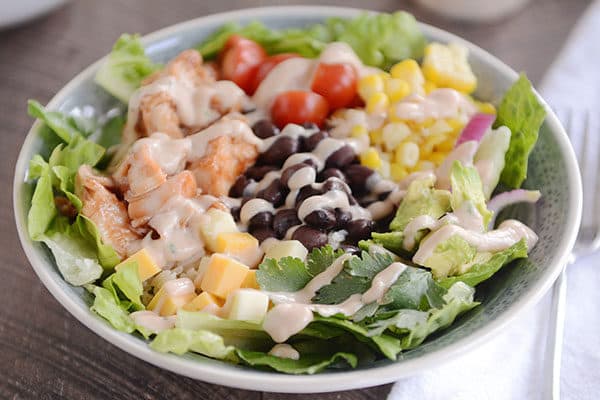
[(44, 352)]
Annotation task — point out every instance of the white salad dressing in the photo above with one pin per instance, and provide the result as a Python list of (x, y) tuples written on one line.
[(508, 233), (152, 321), (439, 104), (171, 154), (284, 350), (463, 153)]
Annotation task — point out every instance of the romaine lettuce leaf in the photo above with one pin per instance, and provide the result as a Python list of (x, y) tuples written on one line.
[(479, 272), (392, 241), (449, 257), (110, 309), (126, 281), (489, 159), (306, 364), (42, 210), (58, 122), (125, 67), (180, 341), (421, 199), (522, 112), (467, 192)]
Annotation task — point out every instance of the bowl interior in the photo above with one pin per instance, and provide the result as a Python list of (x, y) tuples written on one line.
[(552, 170)]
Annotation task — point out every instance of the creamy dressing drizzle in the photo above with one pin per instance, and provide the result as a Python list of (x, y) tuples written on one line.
[(284, 350), (439, 104), (508, 233), (152, 321), (463, 153)]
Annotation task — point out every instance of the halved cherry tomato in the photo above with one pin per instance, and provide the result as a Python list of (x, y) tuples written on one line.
[(297, 107), (239, 61), (335, 82), (267, 65)]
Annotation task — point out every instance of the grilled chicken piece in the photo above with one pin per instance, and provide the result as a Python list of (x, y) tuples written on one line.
[(106, 211), (138, 174)]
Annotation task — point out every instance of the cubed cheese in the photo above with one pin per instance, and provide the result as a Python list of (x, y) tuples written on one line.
[(247, 305), (223, 275), (202, 267), (217, 222), (172, 296), (250, 280), (285, 248), (203, 300), (147, 268), (240, 245)]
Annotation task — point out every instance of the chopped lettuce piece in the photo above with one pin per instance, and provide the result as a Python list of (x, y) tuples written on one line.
[(106, 306), (126, 281), (306, 364), (421, 199), (58, 122), (522, 112), (107, 256), (467, 192), (125, 67), (479, 272), (392, 241), (449, 257), (489, 159), (42, 210), (180, 341), (78, 152), (398, 37)]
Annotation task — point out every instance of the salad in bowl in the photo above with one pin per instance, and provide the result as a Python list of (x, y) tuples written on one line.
[(291, 200)]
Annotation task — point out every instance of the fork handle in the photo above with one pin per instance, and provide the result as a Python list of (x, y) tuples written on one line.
[(555, 337)]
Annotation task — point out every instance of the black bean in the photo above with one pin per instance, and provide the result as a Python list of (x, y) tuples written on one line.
[(332, 172), (348, 248), (382, 196), (305, 193), (264, 129), (310, 237), (357, 176), (310, 143), (342, 218), (263, 219), (237, 190), (366, 201), (257, 172), (275, 193), (383, 224), (335, 184), (263, 233), (235, 213), (279, 151), (341, 157), (309, 125), (284, 220), (321, 219), (360, 229), (289, 171)]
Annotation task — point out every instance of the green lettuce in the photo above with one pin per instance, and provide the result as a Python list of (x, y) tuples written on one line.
[(481, 271), (522, 112), (109, 308), (467, 192), (42, 210), (449, 257), (415, 289), (421, 199), (398, 37), (125, 67), (490, 154), (60, 124), (180, 341), (306, 364), (126, 286)]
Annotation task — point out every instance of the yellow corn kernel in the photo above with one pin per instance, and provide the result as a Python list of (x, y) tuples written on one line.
[(447, 66), (424, 165), (370, 85), (397, 171), (370, 158), (455, 123), (375, 136), (396, 89), (377, 103), (436, 157), (407, 154), (486, 108), (384, 169), (358, 131), (447, 145), (409, 71), (393, 134), (429, 87)]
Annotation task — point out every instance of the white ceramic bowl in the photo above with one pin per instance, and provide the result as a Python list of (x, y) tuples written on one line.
[(553, 169)]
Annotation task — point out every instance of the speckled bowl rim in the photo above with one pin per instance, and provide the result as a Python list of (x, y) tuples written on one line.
[(247, 378)]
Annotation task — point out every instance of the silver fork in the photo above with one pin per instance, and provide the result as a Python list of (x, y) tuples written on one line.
[(587, 150)]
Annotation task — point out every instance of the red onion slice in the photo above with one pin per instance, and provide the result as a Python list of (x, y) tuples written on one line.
[(476, 128)]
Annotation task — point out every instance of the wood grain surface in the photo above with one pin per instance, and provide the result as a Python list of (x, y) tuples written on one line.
[(44, 352)]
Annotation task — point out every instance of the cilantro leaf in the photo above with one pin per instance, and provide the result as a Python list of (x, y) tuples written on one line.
[(369, 264), (320, 258), (289, 274), (415, 289), (520, 111)]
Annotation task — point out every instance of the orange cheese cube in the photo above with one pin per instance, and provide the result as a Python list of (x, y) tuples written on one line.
[(203, 300), (172, 296), (250, 280), (241, 245), (147, 268), (223, 275)]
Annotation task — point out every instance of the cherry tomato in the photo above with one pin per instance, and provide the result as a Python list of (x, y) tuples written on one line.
[(335, 82), (239, 61), (267, 65), (297, 107)]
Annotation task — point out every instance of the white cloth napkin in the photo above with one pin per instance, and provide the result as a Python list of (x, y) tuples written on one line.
[(512, 365)]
